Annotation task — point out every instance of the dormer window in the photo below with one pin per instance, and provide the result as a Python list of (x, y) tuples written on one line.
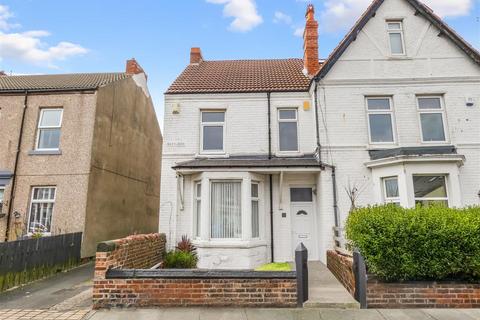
[(395, 36)]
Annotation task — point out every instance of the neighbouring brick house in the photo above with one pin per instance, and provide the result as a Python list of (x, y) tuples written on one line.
[(258, 153), (89, 149)]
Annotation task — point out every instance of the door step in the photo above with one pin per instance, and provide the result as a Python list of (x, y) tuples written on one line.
[(331, 305)]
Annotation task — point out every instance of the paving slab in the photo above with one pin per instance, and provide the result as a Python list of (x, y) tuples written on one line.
[(449, 314), (223, 314), (325, 291), (404, 314), (337, 314)]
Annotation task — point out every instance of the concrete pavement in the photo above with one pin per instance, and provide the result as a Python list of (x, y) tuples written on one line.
[(64, 291), (283, 314)]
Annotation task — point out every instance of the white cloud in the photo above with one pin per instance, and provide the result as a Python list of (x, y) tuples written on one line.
[(28, 47), (244, 14), (298, 32), (280, 17), (339, 15)]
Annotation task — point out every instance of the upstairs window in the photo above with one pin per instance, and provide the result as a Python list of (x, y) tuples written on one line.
[(380, 120), (430, 189), (287, 126), (49, 127), (395, 36), (391, 193), (212, 131), (432, 119)]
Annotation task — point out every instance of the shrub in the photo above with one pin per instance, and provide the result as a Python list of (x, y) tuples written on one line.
[(186, 245), (180, 260), (423, 243)]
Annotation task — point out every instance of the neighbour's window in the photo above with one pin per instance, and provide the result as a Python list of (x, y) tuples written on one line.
[(255, 211), (226, 211), (380, 120), (2, 192), (213, 128), (431, 119), (395, 36), (41, 209), (391, 192), (430, 189), (49, 127), (287, 126), (198, 207)]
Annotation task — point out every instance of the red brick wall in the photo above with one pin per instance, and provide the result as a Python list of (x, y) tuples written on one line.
[(141, 251), (194, 292), (422, 294), (342, 268)]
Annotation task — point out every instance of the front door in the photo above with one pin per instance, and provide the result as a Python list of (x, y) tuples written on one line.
[(302, 210)]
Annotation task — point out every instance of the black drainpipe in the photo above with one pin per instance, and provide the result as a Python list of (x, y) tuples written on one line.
[(270, 176), (323, 165), (14, 176)]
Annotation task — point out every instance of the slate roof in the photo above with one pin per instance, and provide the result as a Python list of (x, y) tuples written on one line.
[(230, 76), (420, 9), (58, 82), (249, 162), (411, 151)]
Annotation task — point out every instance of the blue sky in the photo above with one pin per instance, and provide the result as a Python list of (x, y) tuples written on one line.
[(60, 36)]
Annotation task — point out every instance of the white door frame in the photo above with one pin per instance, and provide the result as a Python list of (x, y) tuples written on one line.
[(313, 252)]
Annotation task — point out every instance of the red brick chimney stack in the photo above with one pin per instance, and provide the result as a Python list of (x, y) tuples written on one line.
[(195, 56), (133, 67), (310, 43)]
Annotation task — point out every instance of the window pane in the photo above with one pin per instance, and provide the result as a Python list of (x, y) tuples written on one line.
[(432, 127), (288, 136), (199, 190), (429, 187), (41, 210), (255, 220), (429, 103), (51, 118), (394, 26), (378, 104), (49, 139), (396, 44), (254, 190), (381, 128), (288, 114), (226, 210), (198, 221), (213, 116), (213, 138), (301, 195), (391, 188), (2, 191)]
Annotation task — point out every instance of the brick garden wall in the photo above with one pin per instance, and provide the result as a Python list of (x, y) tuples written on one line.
[(342, 268), (135, 287), (141, 251), (195, 292), (413, 294)]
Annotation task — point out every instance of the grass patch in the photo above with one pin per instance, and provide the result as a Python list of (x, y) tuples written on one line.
[(278, 266)]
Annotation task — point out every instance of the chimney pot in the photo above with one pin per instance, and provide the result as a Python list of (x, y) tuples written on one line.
[(310, 43), (195, 56)]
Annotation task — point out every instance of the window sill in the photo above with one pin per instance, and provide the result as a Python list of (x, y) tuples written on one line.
[(44, 152), (287, 154), (212, 155), (242, 244)]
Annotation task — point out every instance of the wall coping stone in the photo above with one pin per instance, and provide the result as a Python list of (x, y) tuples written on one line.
[(197, 274)]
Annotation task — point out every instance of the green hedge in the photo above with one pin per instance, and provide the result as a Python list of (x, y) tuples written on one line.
[(424, 243)]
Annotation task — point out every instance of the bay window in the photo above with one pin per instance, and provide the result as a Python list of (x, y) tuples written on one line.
[(226, 210), (198, 208), (391, 192), (255, 213), (430, 189)]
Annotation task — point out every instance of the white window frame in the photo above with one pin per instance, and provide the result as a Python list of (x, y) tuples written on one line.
[(387, 199), (40, 128), (390, 112), (197, 200), (402, 36), (257, 200), (440, 111), (288, 120), (32, 201), (432, 198), (213, 124)]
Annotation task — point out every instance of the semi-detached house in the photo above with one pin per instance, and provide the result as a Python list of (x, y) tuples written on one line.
[(261, 155)]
